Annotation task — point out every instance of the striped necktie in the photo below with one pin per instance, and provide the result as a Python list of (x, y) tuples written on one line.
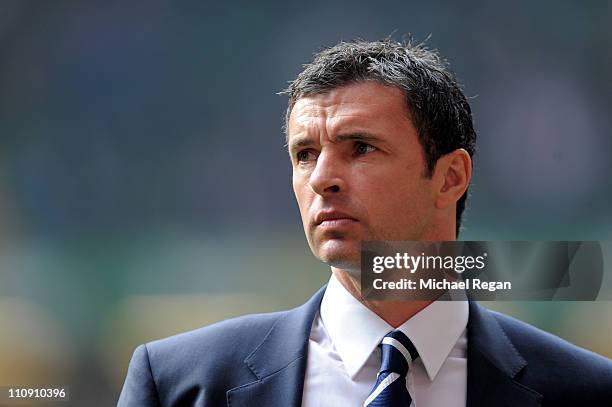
[(397, 356)]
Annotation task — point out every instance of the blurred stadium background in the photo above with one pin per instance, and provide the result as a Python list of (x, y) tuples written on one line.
[(145, 189)]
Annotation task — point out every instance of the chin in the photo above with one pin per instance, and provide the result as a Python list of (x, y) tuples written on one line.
[(340, 254)]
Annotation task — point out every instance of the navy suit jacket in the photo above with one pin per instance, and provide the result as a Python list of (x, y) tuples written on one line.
[(260, 360)]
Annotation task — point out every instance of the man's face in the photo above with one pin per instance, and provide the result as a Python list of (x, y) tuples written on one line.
[(358, 171)]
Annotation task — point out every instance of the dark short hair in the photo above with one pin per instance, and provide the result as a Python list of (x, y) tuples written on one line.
[(438, 107)]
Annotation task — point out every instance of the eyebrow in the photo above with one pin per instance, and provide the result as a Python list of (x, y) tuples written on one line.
[(354, 136)]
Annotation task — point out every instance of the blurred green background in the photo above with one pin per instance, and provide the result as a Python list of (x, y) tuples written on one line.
[(145, 189)]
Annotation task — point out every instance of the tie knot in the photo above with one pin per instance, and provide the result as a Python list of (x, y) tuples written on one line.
[(398, 353)]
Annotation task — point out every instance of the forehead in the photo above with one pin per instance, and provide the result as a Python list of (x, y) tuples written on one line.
[(363, 104)]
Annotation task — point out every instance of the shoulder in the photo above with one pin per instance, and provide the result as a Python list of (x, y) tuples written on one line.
[(552, 361), (199, 365), (228, 341), (532, 341)]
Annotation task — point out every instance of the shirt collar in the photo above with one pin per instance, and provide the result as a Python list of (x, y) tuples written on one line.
[(356, 331)]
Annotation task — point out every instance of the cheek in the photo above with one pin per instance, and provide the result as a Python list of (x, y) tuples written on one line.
[(395, 203), (302, 196)]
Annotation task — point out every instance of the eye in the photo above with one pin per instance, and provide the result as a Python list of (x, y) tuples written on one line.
[(304, 156), (363, 148)]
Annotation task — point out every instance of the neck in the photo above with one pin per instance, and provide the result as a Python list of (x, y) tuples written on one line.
[(395, 313)]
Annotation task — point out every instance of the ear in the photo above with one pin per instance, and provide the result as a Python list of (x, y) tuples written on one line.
[(452, 177)]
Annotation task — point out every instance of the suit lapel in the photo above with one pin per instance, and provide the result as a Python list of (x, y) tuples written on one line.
[(279, 362), (493, 363)]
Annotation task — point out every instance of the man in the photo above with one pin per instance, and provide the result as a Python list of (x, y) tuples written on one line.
[(381, 141)]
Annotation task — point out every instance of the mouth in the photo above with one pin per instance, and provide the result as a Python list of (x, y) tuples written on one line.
[(334, 219)]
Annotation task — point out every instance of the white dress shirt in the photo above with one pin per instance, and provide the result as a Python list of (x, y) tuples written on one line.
[(344, 358)]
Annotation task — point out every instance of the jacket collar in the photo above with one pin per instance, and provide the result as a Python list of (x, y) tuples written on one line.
[(279, 361), (493, 364)]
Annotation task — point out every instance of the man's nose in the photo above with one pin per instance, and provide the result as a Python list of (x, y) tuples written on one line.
[(327, 177)]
